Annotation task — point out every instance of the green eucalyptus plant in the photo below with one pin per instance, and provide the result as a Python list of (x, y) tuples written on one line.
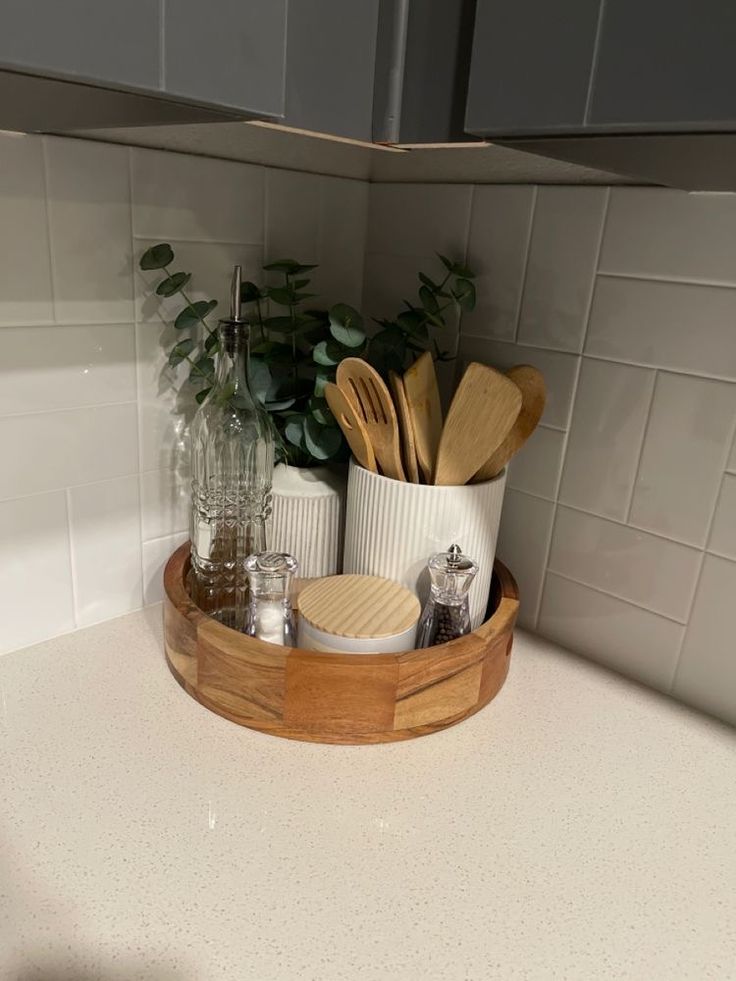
[(295, 349)]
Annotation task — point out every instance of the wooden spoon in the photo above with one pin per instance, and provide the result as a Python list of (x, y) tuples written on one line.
[(425, 411), (405, 427), (484, 408), (352, 427), (530, 382), (366, 391)]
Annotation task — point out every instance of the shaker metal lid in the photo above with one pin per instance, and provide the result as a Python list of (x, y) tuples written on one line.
[(359, 606)]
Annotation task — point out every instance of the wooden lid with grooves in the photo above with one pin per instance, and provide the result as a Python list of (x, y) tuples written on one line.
[(359, 606)]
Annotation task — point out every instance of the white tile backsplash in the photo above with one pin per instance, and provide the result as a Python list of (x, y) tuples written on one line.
[(89, 219), (35, 571), (633, 468), (667, 325), (689, 430), (25, 270), (105, 526), (568, 222), (611, 410), (500, 226), (663, 234), (64, 366)]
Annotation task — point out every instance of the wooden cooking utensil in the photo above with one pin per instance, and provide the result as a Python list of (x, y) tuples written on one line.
[(425, 411), (353, 429), (483, 410), (530, 382), (405, 427), (367, 393)]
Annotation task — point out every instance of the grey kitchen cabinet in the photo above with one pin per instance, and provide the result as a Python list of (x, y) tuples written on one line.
[(665, 65), (89, 40), (227, 53), (531, 66)]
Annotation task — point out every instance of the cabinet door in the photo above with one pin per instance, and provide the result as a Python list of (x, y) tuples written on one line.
[(330, 63), (666, 64), (229, 53), (531, 64), (106, 41)]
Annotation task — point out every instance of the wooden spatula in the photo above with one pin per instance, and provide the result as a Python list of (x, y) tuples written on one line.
[(352, 427), (425, 411), (366, 391), (483, 410), (409, 453), (533, 397)]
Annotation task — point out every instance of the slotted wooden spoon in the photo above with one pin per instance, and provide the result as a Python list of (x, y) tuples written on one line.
[(352, 427), (367, 393), (530, 382), (425, 411), (484, 408), (406, 429)]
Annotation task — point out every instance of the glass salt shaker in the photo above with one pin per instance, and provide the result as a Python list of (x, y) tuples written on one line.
[(446, 614), (270, 612)]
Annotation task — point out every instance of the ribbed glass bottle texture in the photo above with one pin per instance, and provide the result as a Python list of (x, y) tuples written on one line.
[(232, 469)]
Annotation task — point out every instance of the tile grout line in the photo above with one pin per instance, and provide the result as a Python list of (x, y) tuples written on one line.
[(704, 552), (573, 400), (64, 408), (72, 563), (640, 456), (617, 597), (183, 240), (596, 264), (720, 284), (594, 61), (527, 254), (466, 251), (47, 209)]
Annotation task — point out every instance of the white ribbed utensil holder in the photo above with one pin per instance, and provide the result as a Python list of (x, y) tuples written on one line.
[(392, 528), (308, 518)]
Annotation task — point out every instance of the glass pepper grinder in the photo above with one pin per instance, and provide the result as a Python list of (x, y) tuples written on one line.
[(447, 613), (270, 610), (232, 470)]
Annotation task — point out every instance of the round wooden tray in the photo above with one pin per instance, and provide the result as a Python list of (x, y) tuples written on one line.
[(335, 698)]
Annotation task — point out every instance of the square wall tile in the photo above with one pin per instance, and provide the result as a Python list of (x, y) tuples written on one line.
[(104, 520), (723, 532), (706, 674), (89, 217), (644, 569), (653, 232), (65, 366), (35, 570), (500, 227), (25, 272), (419, 219), (293, 215), (342, 246), (667, 325), (51, 450), (536, 467), (165, 496), (559, 370), (687, 439), (179, 196), (618, 635), (523, 539), (608, 422), (156, 554), (568, 222)]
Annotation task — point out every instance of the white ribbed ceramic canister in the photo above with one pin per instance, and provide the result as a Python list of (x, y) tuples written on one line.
[(392, 528), (308, 518)]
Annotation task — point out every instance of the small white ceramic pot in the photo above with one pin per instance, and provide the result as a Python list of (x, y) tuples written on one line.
[(392, 528), (308, 518)]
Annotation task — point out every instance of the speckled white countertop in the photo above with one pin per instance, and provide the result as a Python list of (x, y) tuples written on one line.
[(580, 827)]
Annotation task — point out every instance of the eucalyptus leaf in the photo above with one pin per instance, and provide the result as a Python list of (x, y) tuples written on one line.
[(157, 257), (201, 396), (428, 282), (249, 292), (322, 442), (172, 284), (288, 266), (180, 352), (429, 300), (203, 369), (326, 354), (283, 295), (447, 263), (346, 325), (321, 379), (464, 293), (321, 411), (387, 350), (294, 430), (212, 343), (194, 313), (259, 380)]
